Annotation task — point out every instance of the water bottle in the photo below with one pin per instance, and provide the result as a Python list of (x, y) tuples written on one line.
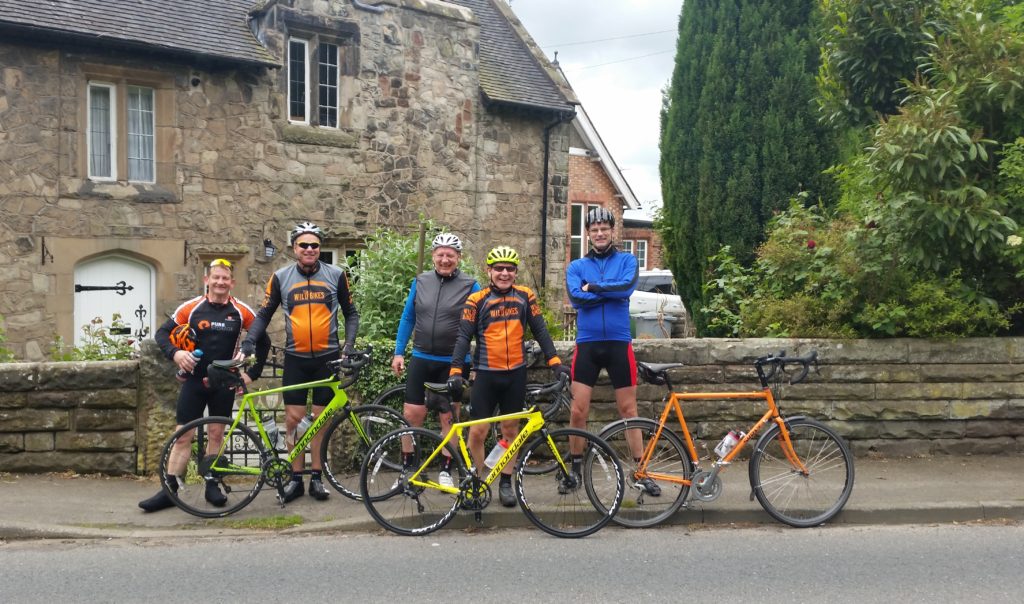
[(495, 455), (728, 442), (182, 375), (304, 425), (273, 433)]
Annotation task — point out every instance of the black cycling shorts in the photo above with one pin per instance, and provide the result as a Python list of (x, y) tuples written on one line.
[(419, 371), (195, 398), (304, 369), (613, 356), (497, 390)]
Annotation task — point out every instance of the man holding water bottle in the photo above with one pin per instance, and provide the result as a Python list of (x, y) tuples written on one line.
[(213, 324)]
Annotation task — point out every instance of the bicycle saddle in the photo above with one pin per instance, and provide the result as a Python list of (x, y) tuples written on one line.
[(655, 373)]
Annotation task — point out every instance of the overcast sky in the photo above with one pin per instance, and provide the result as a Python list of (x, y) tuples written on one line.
[(617, 55)]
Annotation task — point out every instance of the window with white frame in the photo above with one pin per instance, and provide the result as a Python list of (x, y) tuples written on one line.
[(317, 79), (578, 229), (637, 247), (105, 153)]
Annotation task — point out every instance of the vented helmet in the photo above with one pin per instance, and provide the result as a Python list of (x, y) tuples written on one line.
[(503, 253), (183, 337), (304, 228), (597, 215), (446, 240)]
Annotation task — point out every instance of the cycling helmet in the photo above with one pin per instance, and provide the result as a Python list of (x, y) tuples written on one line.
[(304, 228), (503, 253), (446, 240), (599, 215), (183, 337)]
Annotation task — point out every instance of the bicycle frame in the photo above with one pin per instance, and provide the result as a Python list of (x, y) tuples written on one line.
[(772, 415), (247, 408), (534, 423)]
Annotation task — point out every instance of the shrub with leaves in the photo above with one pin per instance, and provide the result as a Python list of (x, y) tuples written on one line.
[(97, 343), (6, 356)]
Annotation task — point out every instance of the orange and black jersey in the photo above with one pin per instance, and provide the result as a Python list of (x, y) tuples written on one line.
[(498, 320), (218, 328), (311, 301)]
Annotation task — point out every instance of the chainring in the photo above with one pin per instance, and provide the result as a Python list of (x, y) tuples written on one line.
[(277, 472), (705, 489), (474, 501)]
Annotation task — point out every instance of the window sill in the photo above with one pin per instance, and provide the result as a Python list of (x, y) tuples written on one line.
[(311, 135), (121, 191)]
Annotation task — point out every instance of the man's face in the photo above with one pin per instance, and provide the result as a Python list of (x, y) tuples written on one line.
[(502, 274), (307, 249), (446, 260), (219, 281), (600, 234)]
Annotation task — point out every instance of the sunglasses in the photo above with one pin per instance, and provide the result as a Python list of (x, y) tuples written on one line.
[(221, 262), (309, 245), (504, 269)]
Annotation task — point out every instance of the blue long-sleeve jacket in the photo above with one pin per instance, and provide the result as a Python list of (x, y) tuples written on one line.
[(602, 312)]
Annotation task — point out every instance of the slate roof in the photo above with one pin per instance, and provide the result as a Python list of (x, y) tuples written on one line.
[(509, 72), (213, 29)]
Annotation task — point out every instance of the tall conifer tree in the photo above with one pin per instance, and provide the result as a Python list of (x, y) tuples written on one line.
[(740, 133)]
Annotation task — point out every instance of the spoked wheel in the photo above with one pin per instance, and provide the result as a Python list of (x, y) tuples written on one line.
[(655, 494), (208, 479), (561, 502), (796, 498), (555, 410), (409, 501), (347, 440)]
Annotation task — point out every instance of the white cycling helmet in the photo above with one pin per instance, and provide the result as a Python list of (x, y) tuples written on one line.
[(446, 240), (305, 228)]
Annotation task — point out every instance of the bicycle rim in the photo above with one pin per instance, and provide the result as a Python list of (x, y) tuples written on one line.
[(212, 484), (343, 448), (564, 506), (790, 496), (396, 504), (667, 466)]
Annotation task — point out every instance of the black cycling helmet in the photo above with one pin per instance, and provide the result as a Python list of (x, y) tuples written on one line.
[(599, 215), (305, 228)]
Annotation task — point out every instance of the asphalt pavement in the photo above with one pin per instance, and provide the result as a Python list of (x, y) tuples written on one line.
[(941, 489)]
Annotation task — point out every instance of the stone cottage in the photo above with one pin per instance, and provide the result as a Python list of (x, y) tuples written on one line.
[(140, 140)]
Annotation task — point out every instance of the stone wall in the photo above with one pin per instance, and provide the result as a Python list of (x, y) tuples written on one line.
[(886, 397)]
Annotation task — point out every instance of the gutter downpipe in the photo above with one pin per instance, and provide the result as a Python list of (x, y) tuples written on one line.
[(544, 197)]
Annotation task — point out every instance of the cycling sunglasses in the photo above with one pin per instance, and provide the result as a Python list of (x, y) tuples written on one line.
[(309, 245), (221, 262)]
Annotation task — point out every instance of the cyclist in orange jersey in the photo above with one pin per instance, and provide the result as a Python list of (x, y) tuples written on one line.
[(497, 317), (312, 294)]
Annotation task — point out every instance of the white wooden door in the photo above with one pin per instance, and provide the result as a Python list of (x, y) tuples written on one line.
[(115, 284)]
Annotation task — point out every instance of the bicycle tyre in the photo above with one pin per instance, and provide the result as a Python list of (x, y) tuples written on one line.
[(570, 512), (342, 450), (555, 411), (392, 398), (791, 497), (398, 506), (242, 450), (639, 509)]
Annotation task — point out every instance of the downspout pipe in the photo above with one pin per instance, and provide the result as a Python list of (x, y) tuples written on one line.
[(562, 118), (367, 7)]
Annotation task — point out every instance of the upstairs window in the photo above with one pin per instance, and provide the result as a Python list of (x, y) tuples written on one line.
[(102, 129), (298, 80), (107, 126), (328, 85), (321, 69), (577, 231)]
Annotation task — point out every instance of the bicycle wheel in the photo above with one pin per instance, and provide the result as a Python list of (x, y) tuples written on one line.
[(343, 447), (561, 502), (793, 497), (667, 468), (555, 410), (392, 398), (219, 483), (399, 506)]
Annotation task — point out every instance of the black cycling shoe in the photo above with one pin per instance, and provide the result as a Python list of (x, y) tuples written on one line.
[(214, 494), (160, 501), (505, 494), (293, 490), (317, 490), (651, 487)]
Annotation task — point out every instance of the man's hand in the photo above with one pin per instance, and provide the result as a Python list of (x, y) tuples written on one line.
[(398, 364), (348, 349), (561, 370), (247, 348), (455, 386)]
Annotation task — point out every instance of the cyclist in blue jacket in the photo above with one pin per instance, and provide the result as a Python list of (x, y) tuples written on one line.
[(599, 286)]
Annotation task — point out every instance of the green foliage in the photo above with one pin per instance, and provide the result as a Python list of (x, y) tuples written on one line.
[(97, 343), (377, 376), (824, 275), (739, 133), (6, 356)]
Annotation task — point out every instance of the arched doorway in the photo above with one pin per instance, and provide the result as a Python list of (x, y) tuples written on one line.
[(115, 284)]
